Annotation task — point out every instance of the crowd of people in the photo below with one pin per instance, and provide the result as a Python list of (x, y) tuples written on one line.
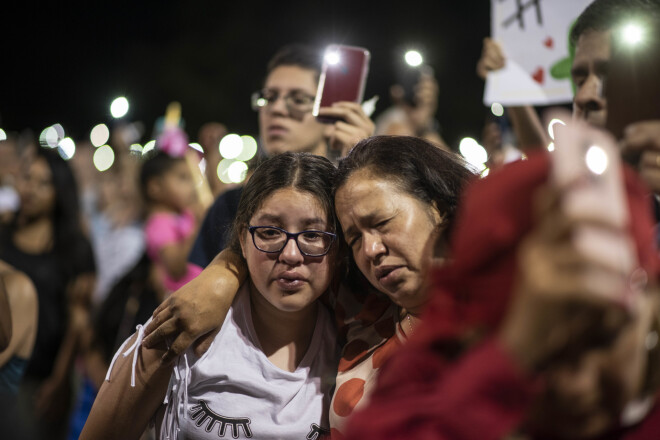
[(364, 282)]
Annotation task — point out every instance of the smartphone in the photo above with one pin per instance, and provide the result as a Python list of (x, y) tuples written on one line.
[(586, 167), (343, 77), (632, 85)]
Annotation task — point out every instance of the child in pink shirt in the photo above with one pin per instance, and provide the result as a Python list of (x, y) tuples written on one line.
[(170, 228)]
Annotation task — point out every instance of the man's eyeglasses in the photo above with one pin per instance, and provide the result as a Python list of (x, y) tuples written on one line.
[(296, 101), (271, 239)]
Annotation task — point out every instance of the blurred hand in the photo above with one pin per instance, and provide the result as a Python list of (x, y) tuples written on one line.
[(353, 126), (492, 58), (642, 140), (422, 115), (563, 304)]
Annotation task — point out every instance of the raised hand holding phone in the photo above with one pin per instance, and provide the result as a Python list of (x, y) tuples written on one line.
[(586, 168), (339, 96), (343, 78), (576, 286)]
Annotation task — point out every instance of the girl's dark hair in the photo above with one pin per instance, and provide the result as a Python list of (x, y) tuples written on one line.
[(301, 171), (156, 163), (69, 243), (416, 166), (130, 302)]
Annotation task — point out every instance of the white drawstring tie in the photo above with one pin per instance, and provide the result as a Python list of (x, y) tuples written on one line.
[(177, 393), (133, 348)]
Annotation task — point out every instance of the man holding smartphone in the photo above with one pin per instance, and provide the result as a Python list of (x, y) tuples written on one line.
[(286, 123), (591, 36)]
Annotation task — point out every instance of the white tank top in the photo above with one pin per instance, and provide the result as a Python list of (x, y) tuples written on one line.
[(233, 390)]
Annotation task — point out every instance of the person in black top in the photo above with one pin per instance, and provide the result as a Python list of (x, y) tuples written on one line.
[(45, 241)]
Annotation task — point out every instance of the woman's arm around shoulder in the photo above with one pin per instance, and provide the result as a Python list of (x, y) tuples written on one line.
[(192, 313)]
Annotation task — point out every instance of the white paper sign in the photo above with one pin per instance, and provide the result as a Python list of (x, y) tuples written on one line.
[(534, 38)]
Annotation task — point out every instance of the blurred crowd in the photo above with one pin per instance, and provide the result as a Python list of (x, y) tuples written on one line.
[(463, 302)]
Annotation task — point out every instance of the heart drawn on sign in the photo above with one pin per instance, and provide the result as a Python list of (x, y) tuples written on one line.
[(538, 75), (549, 42)]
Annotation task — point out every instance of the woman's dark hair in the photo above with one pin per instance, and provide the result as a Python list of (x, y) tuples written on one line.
[(416, 166), (156, 163), (69, 243), (301, 171)]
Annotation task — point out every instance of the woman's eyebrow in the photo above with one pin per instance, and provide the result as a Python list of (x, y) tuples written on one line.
[(306, 222), (313, 222), (268, 218)]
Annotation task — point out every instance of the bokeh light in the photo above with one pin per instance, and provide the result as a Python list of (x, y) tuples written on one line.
[(99, 135), (413, 58), (49, 137), (551, 146), (473, 153), (497, 109), (262, 102), (119, 107), (136, 148), (551, 127), (223, 170), (231, 146), (196, 146), (103, 158), (59, 130), (237, 172), (249, 148), (148, 147), (597, 160), (633, 34), (67, 148), (3, 135)]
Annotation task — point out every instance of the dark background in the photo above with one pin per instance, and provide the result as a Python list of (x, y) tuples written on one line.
[(64, 63)]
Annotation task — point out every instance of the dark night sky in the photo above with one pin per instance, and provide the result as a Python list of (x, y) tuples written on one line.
[(65, 64)]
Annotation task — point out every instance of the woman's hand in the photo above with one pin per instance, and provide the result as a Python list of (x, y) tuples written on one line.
[(192, 313)]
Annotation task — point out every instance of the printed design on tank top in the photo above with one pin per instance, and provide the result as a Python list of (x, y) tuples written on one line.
[(203, 414), (318, 433)]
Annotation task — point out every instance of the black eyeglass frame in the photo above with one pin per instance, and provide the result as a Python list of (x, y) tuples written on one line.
[(259, 94), (294, 236)]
